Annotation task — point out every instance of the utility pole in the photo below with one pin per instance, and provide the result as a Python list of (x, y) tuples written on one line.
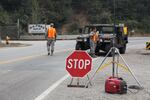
[(18, 27), (0, 36)]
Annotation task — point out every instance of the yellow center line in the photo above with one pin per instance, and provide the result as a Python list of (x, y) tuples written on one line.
[(28, 57), (20, 59)]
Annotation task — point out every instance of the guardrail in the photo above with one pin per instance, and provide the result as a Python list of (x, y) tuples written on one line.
[(42, 37), (59, 37)]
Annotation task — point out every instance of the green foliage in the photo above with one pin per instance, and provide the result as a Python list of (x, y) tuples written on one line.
[(4, 17), (73, 29), (98, 14), (35, 12), (134, 13)]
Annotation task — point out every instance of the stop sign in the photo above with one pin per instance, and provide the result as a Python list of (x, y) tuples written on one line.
[(79, 63)]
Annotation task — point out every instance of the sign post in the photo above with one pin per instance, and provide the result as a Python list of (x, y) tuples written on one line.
[(78, 64)]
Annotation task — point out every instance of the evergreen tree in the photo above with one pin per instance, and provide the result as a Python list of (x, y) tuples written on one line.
[(135, 13)]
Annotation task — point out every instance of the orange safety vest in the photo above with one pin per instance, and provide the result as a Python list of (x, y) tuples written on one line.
[(51, 32), (95, 37)]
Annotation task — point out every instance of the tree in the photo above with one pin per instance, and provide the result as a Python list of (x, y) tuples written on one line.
[(4, 17), (35, 12), (75, 12)]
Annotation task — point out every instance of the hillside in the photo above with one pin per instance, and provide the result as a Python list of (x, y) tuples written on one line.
[(68, 15)]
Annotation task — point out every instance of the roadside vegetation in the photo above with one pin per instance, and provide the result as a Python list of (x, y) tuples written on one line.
[(69, 15)]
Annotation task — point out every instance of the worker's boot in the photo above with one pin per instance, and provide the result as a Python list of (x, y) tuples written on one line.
[(52, 51), (48, 53)]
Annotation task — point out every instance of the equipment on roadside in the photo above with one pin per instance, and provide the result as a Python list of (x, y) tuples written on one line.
[(114, 80), (115, 85)]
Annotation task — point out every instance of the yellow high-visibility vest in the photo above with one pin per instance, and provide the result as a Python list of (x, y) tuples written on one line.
[(125, 30)]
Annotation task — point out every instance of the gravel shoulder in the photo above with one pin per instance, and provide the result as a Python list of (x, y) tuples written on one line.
[(138, 59)]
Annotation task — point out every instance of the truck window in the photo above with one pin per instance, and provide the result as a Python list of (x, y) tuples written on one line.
[(108, 30), (86, 31)]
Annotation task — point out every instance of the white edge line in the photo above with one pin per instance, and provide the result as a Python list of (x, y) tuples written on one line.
[(51, 88)]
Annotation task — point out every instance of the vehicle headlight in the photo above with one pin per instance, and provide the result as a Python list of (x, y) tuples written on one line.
[(85, 39), (100, 40)]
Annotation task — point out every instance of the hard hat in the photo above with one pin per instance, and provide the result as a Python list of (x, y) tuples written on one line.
[(51, 24)]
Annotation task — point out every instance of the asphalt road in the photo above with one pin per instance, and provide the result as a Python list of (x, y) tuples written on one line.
[(27, 73)]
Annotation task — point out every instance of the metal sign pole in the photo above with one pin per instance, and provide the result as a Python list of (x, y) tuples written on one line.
[(113, 50)]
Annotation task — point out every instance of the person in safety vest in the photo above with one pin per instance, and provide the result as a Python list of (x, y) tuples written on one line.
[(93, 41), (125, 31), (51, 38)]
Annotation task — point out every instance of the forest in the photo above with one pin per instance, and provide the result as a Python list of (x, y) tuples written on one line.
[(69, 15)]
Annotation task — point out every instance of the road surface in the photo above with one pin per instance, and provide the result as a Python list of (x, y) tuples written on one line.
[(27, 73)]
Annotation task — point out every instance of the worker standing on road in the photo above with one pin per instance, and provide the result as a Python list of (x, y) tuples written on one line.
[(93, 41), (125, 30), (51, 39)]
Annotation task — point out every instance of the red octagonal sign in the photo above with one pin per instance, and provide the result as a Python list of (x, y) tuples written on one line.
[(79, 63)]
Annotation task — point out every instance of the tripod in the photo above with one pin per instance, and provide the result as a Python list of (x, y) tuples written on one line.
[(115, 51)]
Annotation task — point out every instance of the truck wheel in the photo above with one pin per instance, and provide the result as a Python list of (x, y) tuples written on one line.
[(97, 50), (78, 46), (107, 48), (122, 50)]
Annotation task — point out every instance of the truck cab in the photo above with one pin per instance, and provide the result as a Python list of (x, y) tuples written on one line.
[(105, 37)]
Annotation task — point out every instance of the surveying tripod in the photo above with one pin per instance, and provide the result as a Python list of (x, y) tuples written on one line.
[(115, 52)]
